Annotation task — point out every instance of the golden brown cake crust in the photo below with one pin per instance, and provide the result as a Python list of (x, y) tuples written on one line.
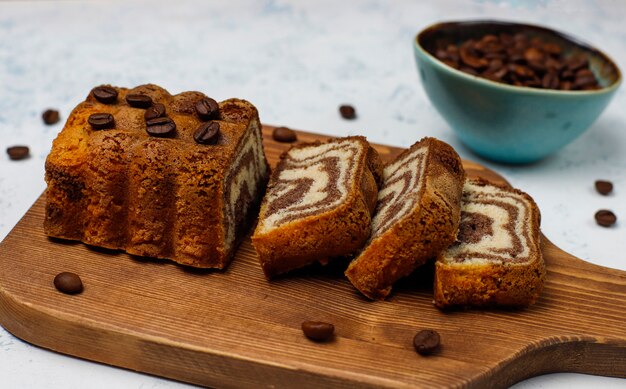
[(122, 188), (338, 232), (431, 225), (493, 284)]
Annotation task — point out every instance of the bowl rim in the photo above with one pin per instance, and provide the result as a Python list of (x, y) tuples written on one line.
[(515, 88)]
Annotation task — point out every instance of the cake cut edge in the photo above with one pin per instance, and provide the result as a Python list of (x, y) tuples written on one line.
[(420, 235), (493, 284), (276, 247)]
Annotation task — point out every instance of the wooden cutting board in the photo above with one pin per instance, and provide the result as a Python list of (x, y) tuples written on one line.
[(235, 329)]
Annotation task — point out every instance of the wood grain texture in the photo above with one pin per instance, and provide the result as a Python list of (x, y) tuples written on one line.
[(235, 329)]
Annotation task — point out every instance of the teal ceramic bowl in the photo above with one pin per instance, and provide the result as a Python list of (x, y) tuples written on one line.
[(505, 123)]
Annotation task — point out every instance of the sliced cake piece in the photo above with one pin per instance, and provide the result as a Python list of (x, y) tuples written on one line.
[(496, 259), (417, 216), (318, 204)]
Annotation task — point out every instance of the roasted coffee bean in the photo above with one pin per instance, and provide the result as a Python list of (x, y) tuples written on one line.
[(155, 111), (318, 330), (101, 121), (207, 133), (50, 116), (426, 342), (519, 60), (139, 101), (161, 127), (18, 152), (605, 218), (347, 112), (105, 94), (207, 109), (284, 134), (604, 187), (68, 283)]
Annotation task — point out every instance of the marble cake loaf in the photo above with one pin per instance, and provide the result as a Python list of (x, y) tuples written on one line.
[(417, 216), (318, 204), (157, 175), (496, 259)]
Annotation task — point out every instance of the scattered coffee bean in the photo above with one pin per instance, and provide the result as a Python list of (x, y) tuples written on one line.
[(519, 60), (604, 187), (207, 133), (18, 152), (105, 94), (347, 112), (426, 342), (50, 116), (161, 127), (605, 218), (155, 111), (68, 283), (138, 101), (284, 134), (101, 121), (318, 330), (207, 109)]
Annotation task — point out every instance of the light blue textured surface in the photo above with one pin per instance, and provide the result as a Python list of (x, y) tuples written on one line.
[(297, 62)]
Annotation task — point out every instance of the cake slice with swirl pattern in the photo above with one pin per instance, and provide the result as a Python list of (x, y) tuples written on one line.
[(417, 216), (318, 204), (496, 259)]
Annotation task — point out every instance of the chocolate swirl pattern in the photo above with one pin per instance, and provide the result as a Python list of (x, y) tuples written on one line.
[(403, 181), (494, 226), (311, 181), (318, 205), (497, 257)]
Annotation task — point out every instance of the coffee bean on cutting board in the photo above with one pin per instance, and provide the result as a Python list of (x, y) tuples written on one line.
[(284, 135), (318, 330), (18, 152), (426, 342), (50, 116), (605, 218), (68, 283), (347, 112), (604, 187)]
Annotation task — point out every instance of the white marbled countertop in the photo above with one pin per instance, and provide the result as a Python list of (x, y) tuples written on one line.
[(296, 62)]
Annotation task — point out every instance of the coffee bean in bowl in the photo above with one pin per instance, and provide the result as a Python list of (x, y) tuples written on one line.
[(513, 92)]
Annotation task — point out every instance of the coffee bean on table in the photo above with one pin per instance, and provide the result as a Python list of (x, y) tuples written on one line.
[(50, 116), (18, 152), (68, 283), (207, 133), (426, 342), (605, 218), (138, 101), (105, 94), (207, 109), (284, 134), (604, 187), (161, 127), (318, 330), (101, 121), (155, 111), (347, 112)]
